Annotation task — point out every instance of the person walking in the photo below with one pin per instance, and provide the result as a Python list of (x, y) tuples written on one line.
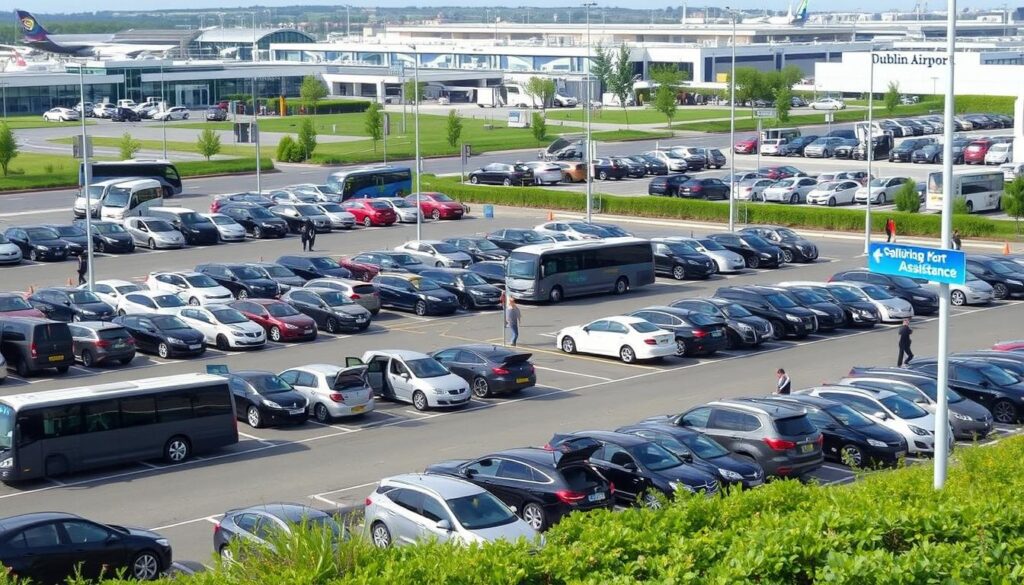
[(957, 243), (890, 229), (904, 335), (784, 385), (311, 233), (512, 318), (83, 267)]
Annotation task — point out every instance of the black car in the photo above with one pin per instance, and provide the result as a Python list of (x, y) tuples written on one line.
[(796, 145), (1006, 277), (1001, 392), (795, 248), (108, 237), (849, 436), (479, 249), (78, 242), (544, 485), (502, 174), (653, 165), (282, 275), (830, 315), (471, 289), (492, 272), (262, 398), (297, 214), (332, 310), (64, 303), (124, 115), (633, 168), (881, 147), (38, 243), (924, 301), (743, 328), (680, 260), (55, 547), (413, 293), (929, 153), (704, 189), (310, 267), (196, 229), (695, 333), (787, 318), (667, 185), (391, 261), (511, 238), (904, 151), (216, 114), (257, 221), (641, 469), (608, 168), (700, 451), (857, 313), (244, 199), (489, 369), (756, 251), (164, 335), (31, 344), (845, 147), (242, 280)]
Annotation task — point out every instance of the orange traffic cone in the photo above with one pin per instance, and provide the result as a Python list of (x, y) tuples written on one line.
[(31, 289), (551, 216), (1006, 248)]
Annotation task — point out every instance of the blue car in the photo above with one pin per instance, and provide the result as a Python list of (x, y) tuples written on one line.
[(409, 292)]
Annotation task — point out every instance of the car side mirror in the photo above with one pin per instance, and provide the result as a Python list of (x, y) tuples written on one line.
[(881, 415), (468, 472), (586, 329), (445, 525), (686, 456), (404, 375), (629, 466)]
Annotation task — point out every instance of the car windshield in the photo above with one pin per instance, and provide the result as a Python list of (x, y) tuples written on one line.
[(788, 234), (246, 272), (79, 297), (223, 220), (332, 208), (168, 301), (117, 197), (902, 407), (997, 375), (277, 271), (904, 282), (193, 218), (522, 266), (42, 233), (486, 245), (654, 457), (307, 210), (13, 303), (444, 248), (228, 316), (159, 225), (201, 281), (107, 228), (281, 310), (267, 384), (644, 327), (472, 279), (480, 511), (756, 241), (323, 263), (336, 299), (712, 245), (427, 368), (878, 182), (780, 300), (931, 387), (168, 323), (807, 296), (848, 416), (424, 284), (69, 231), (681, 248), (261, 213), (846, 295), (703, 447), (876, 293), (441, 197), (405, 259), (735, 311)]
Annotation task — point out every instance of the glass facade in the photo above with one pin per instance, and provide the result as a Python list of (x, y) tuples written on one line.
[(36, 100)]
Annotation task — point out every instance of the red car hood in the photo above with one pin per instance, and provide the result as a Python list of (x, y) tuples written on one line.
[(298, 320), (24, 313)]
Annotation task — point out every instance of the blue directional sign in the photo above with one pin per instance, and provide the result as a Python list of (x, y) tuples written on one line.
[(934, 264)]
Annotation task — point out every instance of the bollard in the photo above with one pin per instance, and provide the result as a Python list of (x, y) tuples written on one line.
[(488, 211)]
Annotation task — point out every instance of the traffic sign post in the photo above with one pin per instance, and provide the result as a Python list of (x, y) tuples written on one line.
[(934, 264)]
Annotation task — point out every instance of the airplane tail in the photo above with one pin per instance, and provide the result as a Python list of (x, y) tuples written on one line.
[(31, 30), (801, 11)]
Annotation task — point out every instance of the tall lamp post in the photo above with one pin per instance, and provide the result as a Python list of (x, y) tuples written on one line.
[(254, 130), (732, 125), (588, 159), (416, 129), (163, 105), (86, 172), (869, 149)]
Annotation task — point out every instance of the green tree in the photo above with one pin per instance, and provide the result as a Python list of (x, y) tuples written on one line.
[(892, 97), (601, 66), (1013, 200), (668, 77), (454, 128), (311, 92), (749, 85), (411, 93), (790, 75), (284, 148), (539, 127), (208, 143), (129, 146), (621, 80), (907, 198), (374, 123), (783, 103), (8, 146), (541, 88), (306, 140)]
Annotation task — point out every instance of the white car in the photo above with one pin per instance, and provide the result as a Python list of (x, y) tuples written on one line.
[(1011, 171), (725, 260), (833, 193), (545, 173), (436, 253), (175, 113), (10, 253), (674, 162), (752, 189), (110, 291), (772, 146), (324, 193), (1000, 153), (148, 302), (828, 104), (564, 101), (574, 230), (792, 190), (224, 327), (890, 308), (103, 110), (61, 115), (340, 219), (332, 391), (194, 288), (974, 291), (627, 338), (405, 211), (891, 410), (414, 377), (882, 189), (229, 229)]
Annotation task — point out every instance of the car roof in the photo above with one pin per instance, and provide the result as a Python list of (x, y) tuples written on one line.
[(777, 411), (405, 354), (15, 522), (866, 392), (97, 325), (442, 270), (485, 349), (622, 439), (443, 486), (815, 401), (533, 455), (325, 369), (666, 309), (292, 513), (264, 302)]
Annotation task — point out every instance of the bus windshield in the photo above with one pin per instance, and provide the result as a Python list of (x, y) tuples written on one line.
[(6, 427), (521, 266)]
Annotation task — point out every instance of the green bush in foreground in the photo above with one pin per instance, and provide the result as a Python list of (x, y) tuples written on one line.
[(889, 527)]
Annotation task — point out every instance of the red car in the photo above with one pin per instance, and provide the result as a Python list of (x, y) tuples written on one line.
[(780, 172), (746, 146), (438, 206), (974, 153), (1016, 345), (359, 270), (281, 321), (15, 305), (369, 212)]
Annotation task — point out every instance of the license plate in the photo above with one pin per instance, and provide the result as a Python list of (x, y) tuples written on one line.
[(599, 496), (195, 346), (522, 380), (307, 330), (360, 319), (56, 358), (358, 408), (296, 411), (716, 333), (807, 448)]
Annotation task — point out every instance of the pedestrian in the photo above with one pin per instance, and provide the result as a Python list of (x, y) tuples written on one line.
[(311, 233), (784, 384), (890, 229), (957, 243), (304, 234), (904, 334), (83, 267), (512, 318)]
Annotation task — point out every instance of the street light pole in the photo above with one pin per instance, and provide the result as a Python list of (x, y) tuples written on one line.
[(86, 171), (732, 126), (869, 150), (348, 21), (163, 106), (254, 132), (588, 150), (416, 124)]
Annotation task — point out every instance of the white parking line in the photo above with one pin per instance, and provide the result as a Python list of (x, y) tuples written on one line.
[(340, 428), (254, 438), (571, 373), (211, 519)]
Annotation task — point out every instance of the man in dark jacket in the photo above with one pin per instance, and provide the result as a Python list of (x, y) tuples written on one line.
[(308, 235), (904, 334), (83, 267)]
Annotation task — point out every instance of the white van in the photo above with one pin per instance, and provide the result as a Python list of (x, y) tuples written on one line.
[(126, 103), (97, 192), (131, 198)]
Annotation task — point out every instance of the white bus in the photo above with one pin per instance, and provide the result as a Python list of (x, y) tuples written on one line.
[(982, 189), (130, 199)]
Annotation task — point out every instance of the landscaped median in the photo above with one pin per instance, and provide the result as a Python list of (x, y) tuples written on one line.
[(831, 219), (889, 527)]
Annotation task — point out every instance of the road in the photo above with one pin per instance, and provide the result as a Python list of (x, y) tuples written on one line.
[(338, 464)]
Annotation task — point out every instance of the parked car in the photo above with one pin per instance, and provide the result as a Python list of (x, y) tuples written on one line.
[(224, 327), (788, 318), (263, 399), (280, 320), (998, 154), (929, 153), (243, 199), (405, 212), (98, 342), (502, 174), (573, 172), (472, 291), (78, 242), (370, 212), (489, 369), (924, 301), (707, 188), (774, 147), (10, 253), (15, 305), (297, 215), (779, 172), (31, 344), (828, 313), (714, 157), (109, 237), (1001, 392), (743, 328), (309, 267), (410, 292), (752, 189), (1004, 276), (833, 193), (511, 238), (725, 260), (827, 104), (332, 310), (974, 153), (680, 260), (166, 336), (696, 334), (824, 147), (890, 307), (332, 391), (363, 293), (651, 165), (491, 271), (64, 303), (436, 253), (240, 280), (795, 248), (544, 172), (438, 206), (150, 302), (390, 261), (256, 220), (627, 338), (124, 115), (746, 145), (792, 190), (756, 251), (858, 311), (38, 243), (881, 190), (904, 151), (415, 378), (170, 114), (479, 249), (193, 287), (285, 278), (216, 114), (667, 185), (258, 525), (61, 115), (674, 161)]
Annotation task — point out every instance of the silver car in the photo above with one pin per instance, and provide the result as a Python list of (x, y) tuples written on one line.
[(153, 233), (228, 229), (332, 391), (405, 211), (414, 377), (436, 253), (340, 219), (363, 293), (545, 173), (324, 193), (9, 253), (414, 507)]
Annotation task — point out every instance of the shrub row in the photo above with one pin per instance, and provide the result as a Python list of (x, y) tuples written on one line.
[(332, 106), (673, 208), (199, 168)]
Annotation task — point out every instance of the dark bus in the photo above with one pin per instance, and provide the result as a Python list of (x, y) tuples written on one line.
[(47, 434), (160, 170)]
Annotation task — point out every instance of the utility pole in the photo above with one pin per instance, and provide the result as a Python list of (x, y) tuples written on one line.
[(86, 172), (416, 123), (869, 149), (732, 126), (589, 159)]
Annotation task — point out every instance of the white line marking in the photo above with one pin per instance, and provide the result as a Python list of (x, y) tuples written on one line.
[(35, 212), (211, 519), (254, 438), (572, 373)]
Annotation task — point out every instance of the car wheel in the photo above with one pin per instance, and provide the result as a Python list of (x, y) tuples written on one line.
[(568, 344), (222, 343), (681, 347), (473, 179), (242, 294), (507, 182), (794, 199), (253, 417), (787, 255), (1000, 291), (481, 389), (257, 232), (275, 333), (145, 566), (851, 455), (958, 298), (177, 449), (185, 116), (439, 264), (650, 501), (367, 222), (225, 553), (332, 325), (621, 285), (22, 369), (627, 355), (534, 515), (321, 414), (779, 329), (32, 255), (381, 535), (152, 244), (63, 369), (1003, 411), (193, 301), (419, 401), (753, 262), (732, 340), (464, 304), (556, 295), (678, 273), (88, 359), (435, 214), (76, 318), (970, 207), (100, 247), (831, 201), (163, 350), (421, 308), (603, 176)]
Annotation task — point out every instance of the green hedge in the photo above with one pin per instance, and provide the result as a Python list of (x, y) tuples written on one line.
[(201, 168), (673, 208), (890, 527), (332, 106)]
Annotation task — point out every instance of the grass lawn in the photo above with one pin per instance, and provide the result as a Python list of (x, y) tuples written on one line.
[(23, 122), (612, 115)]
